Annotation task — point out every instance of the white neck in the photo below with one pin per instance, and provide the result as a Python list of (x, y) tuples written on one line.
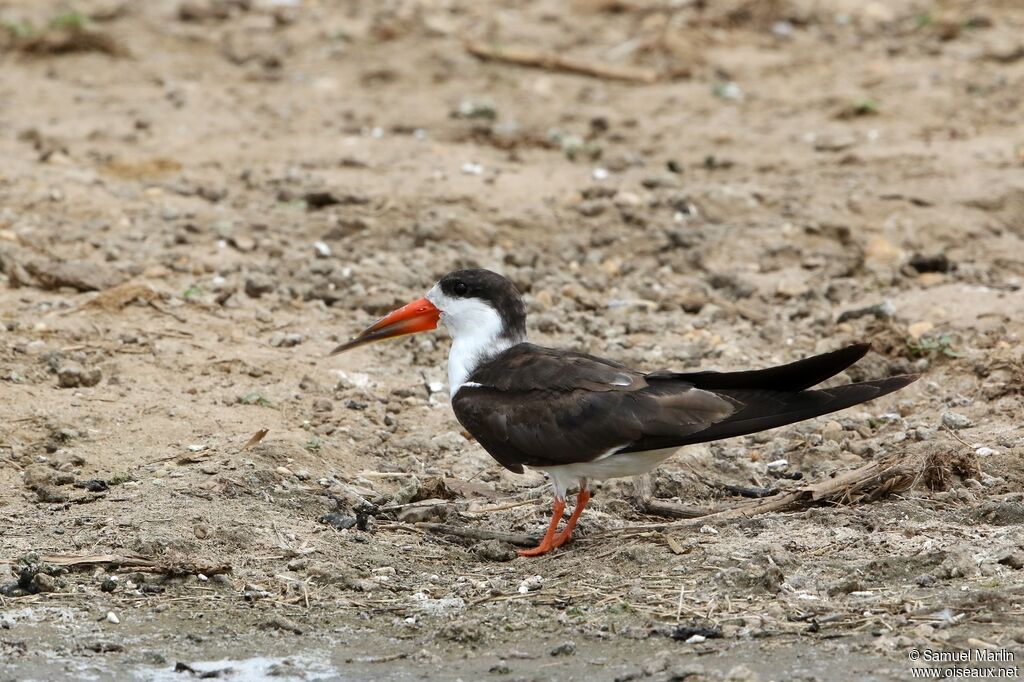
[(476, 330), (468, 353)]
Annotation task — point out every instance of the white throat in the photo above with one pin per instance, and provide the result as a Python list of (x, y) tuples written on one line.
[(476, 330)]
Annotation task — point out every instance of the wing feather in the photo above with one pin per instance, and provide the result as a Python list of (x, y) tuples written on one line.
[(540, 407)]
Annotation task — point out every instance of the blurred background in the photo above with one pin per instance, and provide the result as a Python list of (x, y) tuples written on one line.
[(199, 198)]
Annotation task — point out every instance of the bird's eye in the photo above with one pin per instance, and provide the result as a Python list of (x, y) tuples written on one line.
[(460, 288)]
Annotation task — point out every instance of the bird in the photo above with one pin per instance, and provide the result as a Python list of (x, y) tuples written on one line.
[(581, 418)]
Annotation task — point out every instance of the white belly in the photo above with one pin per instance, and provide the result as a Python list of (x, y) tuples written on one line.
[(613, 466)]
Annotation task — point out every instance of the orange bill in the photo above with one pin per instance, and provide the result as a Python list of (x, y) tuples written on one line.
[(419, 316)]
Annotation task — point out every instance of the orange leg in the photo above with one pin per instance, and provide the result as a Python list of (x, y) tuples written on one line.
[(547, 544), (581, 501)]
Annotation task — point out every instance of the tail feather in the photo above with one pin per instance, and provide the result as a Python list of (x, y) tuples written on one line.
[(769, 409), (796, 376)]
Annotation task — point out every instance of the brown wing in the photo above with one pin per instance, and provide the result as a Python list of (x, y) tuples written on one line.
[(542, 407)]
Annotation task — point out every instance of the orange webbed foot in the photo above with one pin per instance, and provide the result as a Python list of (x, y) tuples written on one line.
[(551, 540)]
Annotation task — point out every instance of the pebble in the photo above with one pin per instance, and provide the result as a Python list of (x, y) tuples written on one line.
[(832, 430), (782, 29), (531, 584), (660, 182), (728, 90), (282, 340), (1014, 559), (72, 375), (339, 521), (258, 284), (322, 250), (494, 550), (955, 420), (919, 329), (567, 648), (881, 311), (45, 583), (112, 618)]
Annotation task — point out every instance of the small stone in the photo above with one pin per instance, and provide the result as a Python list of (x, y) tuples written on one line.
[(323, 405), (955, 421), (881, 250), (339, 521), (494, 550), (591, 208), (109, 584), (1013, 559), (728, 90), (531, 584), (660, 182), (919, 329), (322, 250), (112, 618), (832, 430), (936, 263), (881, 311), (44, 582), (284, 471), (282, 340), (567, 648), (243, 243), (257, 285), (279, 622), (69, 375), (93, 485)]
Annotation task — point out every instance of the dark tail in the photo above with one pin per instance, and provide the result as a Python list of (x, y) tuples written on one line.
[(796, 376), (768, 398), (764, 409)]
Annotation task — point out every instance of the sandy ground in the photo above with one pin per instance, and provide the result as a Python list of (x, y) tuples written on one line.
[(199, 199)]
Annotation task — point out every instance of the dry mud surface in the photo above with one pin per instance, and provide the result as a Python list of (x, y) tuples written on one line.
[(199, 199)]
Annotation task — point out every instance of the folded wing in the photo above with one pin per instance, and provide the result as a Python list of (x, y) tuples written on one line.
[(542, 407)]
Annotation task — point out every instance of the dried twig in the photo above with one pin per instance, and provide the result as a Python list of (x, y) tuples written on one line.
[(554, 62), (869, 482), (646, 503), (141, 563), (520, 539)]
